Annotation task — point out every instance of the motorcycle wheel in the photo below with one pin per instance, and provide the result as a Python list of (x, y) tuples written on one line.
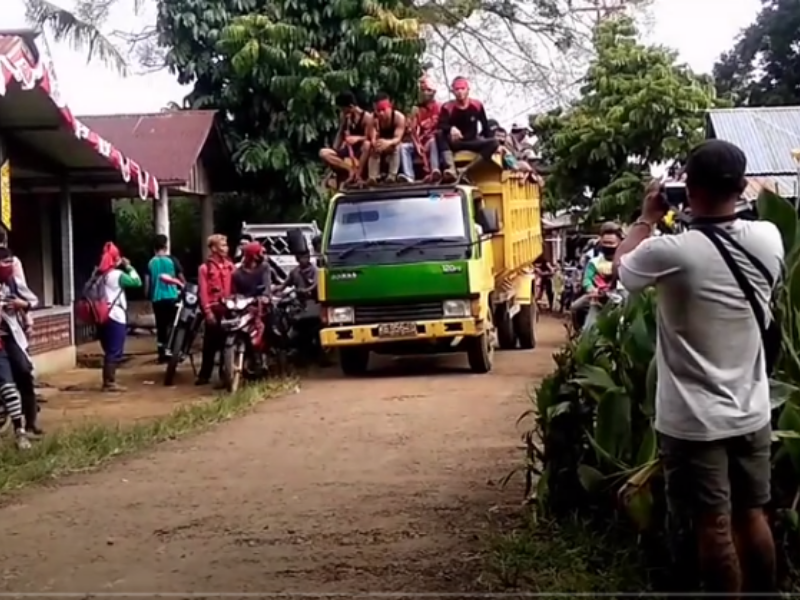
[(233, 364), (179, 335)]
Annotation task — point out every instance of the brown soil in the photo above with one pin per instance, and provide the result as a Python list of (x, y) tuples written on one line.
[(376, 485), (73, 396)]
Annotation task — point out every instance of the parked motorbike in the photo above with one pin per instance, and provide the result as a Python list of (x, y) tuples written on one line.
[(185, 327), (243, 355)]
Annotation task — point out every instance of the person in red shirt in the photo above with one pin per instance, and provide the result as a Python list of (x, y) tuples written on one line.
[(426, 138), (464, 125), (214, 280)]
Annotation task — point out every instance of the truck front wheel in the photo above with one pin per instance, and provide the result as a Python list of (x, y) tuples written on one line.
[(525, 326), (480, 353), (506, 338), (354, 361)]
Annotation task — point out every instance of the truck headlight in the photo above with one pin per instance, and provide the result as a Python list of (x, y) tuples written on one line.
[(340, 314), (456, 308)]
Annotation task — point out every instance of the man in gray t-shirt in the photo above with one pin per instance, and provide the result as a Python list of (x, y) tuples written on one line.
[(712, 401)]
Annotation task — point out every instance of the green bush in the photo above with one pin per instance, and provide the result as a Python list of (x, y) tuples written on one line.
[(592, 447)]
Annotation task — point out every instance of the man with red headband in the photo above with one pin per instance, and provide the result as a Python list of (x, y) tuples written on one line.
[(351, 141), (459, 122), (426, 138), (385, 135), (214, 283), (252, 278)]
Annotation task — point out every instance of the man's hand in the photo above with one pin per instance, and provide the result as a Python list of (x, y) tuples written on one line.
[(211, 318), (382, 145), (654, 208), (124, 264), (352, 140), (17, 304), (455, 134)]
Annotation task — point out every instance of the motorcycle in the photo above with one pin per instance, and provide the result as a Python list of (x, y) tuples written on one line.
[(185, 327), (243, 354)]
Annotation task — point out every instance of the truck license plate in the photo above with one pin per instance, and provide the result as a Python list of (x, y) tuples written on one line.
[(391, 330)]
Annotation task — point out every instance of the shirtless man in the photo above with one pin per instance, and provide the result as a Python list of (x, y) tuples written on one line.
[(351, 141), (385, 135)]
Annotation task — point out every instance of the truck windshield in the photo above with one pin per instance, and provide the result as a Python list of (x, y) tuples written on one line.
[(398, 219)]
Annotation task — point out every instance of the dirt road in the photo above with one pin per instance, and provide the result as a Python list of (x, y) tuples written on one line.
[(381, 484)]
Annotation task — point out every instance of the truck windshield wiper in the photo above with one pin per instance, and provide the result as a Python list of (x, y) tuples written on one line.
[(420, 243), (360, 246)]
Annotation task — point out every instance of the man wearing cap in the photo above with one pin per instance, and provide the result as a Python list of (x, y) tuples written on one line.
[(713, 412), (464, 125), (426, 138), (385, 136)]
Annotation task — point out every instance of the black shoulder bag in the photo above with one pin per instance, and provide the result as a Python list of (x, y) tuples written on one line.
[(771, 337)]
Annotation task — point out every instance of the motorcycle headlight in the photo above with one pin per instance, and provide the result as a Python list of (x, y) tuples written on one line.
[(341, 314), (456, 309), (191, 299), (230, 304)]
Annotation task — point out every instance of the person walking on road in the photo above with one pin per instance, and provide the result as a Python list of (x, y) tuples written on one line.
[(214, 283), (163, 296), (714, 285)]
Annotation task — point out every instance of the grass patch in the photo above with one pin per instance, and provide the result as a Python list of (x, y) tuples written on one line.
[(86, 446), (545, 557)]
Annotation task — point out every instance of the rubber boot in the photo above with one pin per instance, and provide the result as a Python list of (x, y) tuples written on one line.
[(373, 169), (30, 412), (394, 165), (110, 378), (450, 174)]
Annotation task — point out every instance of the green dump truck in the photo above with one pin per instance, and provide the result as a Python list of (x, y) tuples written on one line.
[(418, 269)]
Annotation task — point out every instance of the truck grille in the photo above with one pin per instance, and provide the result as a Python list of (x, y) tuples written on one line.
[(391, 313)]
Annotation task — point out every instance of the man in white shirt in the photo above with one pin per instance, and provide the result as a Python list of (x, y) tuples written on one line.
[(712, 402)]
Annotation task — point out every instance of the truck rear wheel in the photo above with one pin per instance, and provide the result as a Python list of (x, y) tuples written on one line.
[(525, 326), (354, 361), (480, 353), (506, 336)]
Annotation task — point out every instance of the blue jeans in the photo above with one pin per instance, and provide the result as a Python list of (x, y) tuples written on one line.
[(112, 341), (407, 151)]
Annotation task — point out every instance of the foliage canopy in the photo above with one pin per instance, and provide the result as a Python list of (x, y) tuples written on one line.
[(638, 107), (763, 67)]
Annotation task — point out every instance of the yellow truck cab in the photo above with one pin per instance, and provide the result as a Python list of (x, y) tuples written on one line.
[(421, 268)]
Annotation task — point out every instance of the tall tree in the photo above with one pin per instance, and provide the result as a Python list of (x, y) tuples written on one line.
[(274, 73), (638, 108), (763, 67)]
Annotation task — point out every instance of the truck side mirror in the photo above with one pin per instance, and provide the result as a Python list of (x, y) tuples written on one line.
[(316, 243), (297, 242), (488, 220)]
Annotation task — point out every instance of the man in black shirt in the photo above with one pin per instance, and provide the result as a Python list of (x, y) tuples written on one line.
[(351, 140), (385, 135), (464, 124)]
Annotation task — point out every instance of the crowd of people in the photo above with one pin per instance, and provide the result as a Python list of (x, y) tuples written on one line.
[(391, 146)]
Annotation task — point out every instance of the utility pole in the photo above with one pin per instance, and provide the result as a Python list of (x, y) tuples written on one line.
[(602, 9)]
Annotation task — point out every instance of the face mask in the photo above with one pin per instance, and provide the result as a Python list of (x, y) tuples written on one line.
[(608, 252)]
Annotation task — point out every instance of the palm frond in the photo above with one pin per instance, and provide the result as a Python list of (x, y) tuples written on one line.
[(78, 29)]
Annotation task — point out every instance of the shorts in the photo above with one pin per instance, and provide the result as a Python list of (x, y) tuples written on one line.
[(718, 476), (344, 151)]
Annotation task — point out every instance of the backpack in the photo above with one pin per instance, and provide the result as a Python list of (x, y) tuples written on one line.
[(93, 307)]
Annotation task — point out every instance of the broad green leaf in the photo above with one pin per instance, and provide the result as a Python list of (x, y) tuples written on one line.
[(613, 425), (648, 448), (639, 507), (781, 212), (591, 479), (789, 420), (648, 405), (780, 392), (590, 376)]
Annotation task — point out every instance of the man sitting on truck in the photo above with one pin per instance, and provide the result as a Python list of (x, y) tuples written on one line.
[(351, 141), (459, 123), (385, 135), (426, 138)]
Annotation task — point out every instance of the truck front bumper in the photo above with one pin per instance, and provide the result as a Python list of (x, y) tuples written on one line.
[(359, 335)]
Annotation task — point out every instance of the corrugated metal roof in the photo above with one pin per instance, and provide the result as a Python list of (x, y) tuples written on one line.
[(768, 135), (784, 185), (168, 144)]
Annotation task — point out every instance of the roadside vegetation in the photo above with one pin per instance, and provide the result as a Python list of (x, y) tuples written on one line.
[(89, 445)]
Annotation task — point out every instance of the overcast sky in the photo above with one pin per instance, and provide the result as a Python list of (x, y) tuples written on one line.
[(699, 29)]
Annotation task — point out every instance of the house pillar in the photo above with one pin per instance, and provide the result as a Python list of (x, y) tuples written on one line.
[(45, 230), (206, 222), (161, 214), (67, 254)]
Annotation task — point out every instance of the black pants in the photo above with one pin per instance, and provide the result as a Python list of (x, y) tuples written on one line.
[(213, 342), (547, 290), (22, 370), (164, 313), (486, 147)]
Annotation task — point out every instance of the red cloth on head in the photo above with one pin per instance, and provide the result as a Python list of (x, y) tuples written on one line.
[(109, 259), (460, 83), (252, 250), (383, 105)]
